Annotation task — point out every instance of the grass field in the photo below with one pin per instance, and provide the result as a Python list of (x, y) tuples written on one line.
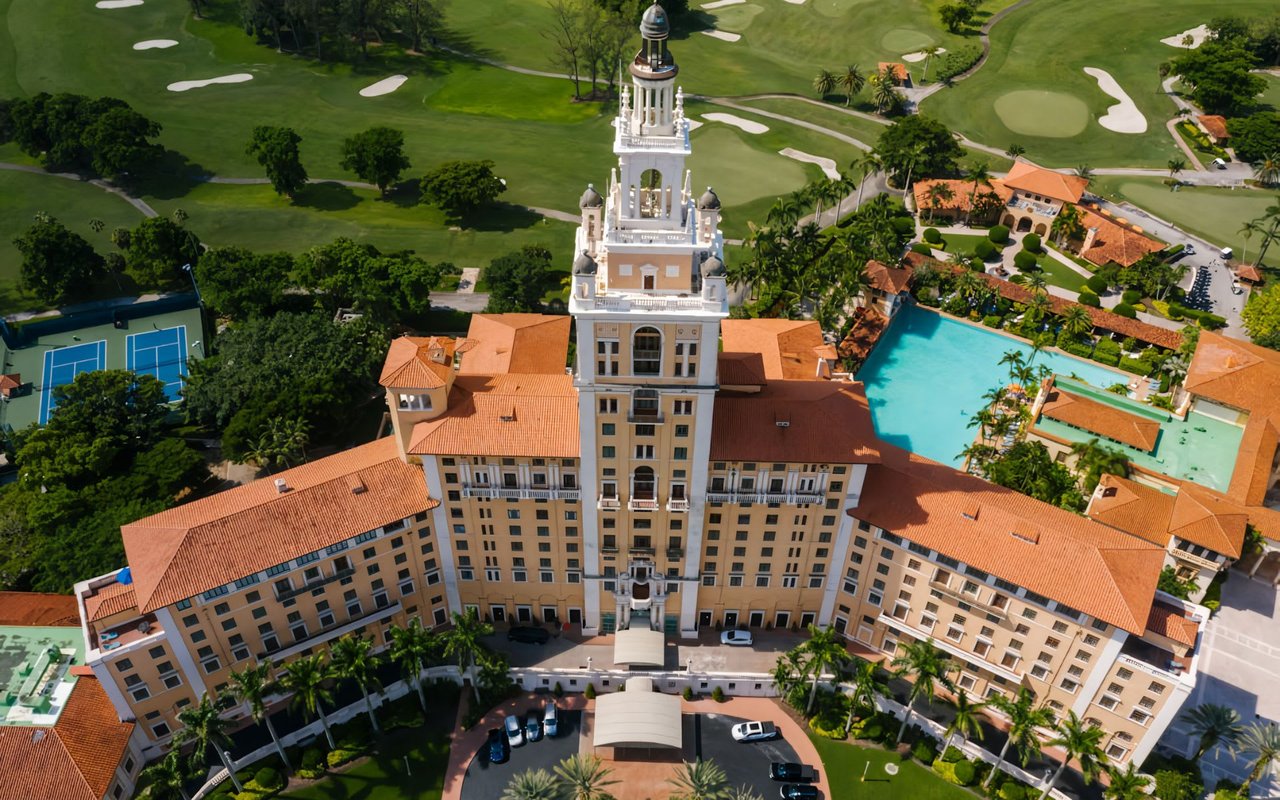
[(1046, 46), (844, 764), (1212, 213)]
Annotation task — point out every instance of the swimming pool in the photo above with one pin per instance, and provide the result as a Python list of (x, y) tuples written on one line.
[(927, 375)]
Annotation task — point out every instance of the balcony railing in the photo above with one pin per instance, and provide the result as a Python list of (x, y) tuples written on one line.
[(608, 503), (674, 553), (646, 418), (317, 583), (330, 632), (1194, 558), (784, 498), (520, 493), (971, 598), (642, 504), (681, 504)]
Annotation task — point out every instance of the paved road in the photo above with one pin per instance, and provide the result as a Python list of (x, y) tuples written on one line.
[(460, 301)]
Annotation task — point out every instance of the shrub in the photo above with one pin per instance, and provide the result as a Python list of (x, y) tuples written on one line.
[(1173, 785), (952, 754), (984, 250), (717, 694), (828, 725), (903, 225), (932, 236), (1031, 243), (1131, 296), (313, 758), (687, 694), (1212, 321), (1125, 310), (341, 756), (965, 773), (1135, 366), (558, 690), (1012, 790), (998, 234), (1024, 261), (590, 692), (924, 751), (1109, 359), (1090, 299), (268, 778), (956, 62), (921, 248), (1097, 284), (1081, 349), (992, 320)]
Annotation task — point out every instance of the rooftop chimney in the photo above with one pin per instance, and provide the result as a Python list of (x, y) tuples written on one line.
[(281, 486)]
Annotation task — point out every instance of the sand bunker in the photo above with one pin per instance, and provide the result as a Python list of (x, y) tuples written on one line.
[(797, 2), (1124, 116), (827, 165), (1198, 34), (721, 4), (384, 86), (723, 36), (749, 126), (155, 44), (117, 3), (694, 124), (182, 86), (919, 55)]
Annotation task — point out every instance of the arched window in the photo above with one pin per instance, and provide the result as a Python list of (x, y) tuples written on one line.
[(651, 184), (643, 484), (646, 352)]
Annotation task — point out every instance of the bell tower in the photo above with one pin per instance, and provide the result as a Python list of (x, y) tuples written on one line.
[(649, 291)]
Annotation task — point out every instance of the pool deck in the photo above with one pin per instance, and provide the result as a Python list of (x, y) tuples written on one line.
[(22, 667)]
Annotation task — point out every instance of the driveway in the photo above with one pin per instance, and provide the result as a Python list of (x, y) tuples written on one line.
[(485, 781)]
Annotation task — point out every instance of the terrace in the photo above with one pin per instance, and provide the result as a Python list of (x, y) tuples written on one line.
[(35, 671)]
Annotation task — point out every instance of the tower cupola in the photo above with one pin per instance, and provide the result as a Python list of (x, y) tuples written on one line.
[(654, 61)]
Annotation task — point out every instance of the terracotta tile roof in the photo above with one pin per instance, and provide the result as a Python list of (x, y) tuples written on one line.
[(1172, 623), (890, 280), (1240, 374), (10, 384), (1103, 572), (1195, 514), (418, 362), (110, 599), (1209, 519), (789, 347), (210, 542), (40, 610), (869, 324), (1215, 125), (960, 192), (740, 369), (900, 73), (1249, 272), (504, 415), (822, 421), (1106, 421), (1037, 180), (76, 759), (1132, 507), (1114, 242), (516, 343)]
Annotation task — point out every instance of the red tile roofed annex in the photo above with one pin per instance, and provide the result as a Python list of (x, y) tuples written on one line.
[(1103, 572), (108, 600), (890, 280), (790, 349), (961, 191), (1107, 421), (1112, 242), (1195, 514), (210, 542), (1037, 180), (1214, 125), (419, 362), (76, 759), (795, 421), (868, 326), (38, 610), (1172, 623), (899, 70), (516, 344), (504, 415)]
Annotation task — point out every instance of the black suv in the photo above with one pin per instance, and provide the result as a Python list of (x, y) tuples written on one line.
[(528, 635), (790, 772)]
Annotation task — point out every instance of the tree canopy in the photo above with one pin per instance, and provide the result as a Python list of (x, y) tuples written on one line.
[(919, 144), (277, 151), (349, 274), (1261, 316), (241, 284), (57, 263), (1219, 73), (101, 135), (460, 187), (158, 249), (518, 280), (376, 155), (1028, 468), (1256, 136)]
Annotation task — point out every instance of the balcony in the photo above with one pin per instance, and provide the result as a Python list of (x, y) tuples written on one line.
[(641, 551), (1153, 660), (646, 417), (656, 303), (972, 599), (679, 505), (1197, 559), (608, 503), (643, 504), (782, 498), (332, 632), (1035, 208), (674, 553), (317, 583), (520, 492), (947, 647)]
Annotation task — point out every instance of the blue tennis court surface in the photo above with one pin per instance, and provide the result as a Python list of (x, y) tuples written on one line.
[(162, 353), (61, 366)]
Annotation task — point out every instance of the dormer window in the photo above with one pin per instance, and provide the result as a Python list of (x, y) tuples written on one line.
[(414, 402)]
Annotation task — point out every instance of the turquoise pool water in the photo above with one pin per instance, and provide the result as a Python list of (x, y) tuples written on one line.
[(926, 378)]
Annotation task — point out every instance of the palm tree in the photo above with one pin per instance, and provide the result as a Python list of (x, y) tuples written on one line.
[(532, 784), (307, 679), (700, 780), (1084, 171), (852, 82), (1076, 320), (251, 686), (353, 659), (412, 648), (1014, 359), (928, 666), (1039, 305), (822, 653), (1176, 165), (1024, 719), (866, 166), (967, 722), (1267, 169), (884, 92), (1083, 743), (1272, 216), (1164, 69), (204, 726), (1127, 784), (1260, 742), (938, 193), (1093, 460), (978, 454), (865, 685), (743, 792), (1246, 232), (1067, 225), (1036, 283), (978, 173), (583, 778), (463, 643), (1015, 151), (824, 84), (165, 777), (929, 53)]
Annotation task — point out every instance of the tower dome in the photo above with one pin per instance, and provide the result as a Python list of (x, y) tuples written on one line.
[(713, 268), (654, 24), (590, 198), (709, 200), (584, 264)]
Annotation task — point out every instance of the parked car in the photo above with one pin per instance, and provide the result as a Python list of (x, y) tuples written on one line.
[(1189, 250), (798, 791), (498, 748), (533, 728), (1220, 163), (737, 638), (528, 634), (791, 772), (1226, 254), (754, 731), (515, 733), (551, 719), (1236, 288)]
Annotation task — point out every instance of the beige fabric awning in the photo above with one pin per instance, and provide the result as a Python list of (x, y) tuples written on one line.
[(639, 646), (638, 717)]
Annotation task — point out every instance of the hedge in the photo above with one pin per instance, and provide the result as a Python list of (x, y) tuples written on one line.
[(1135, 366), (1131, 296), (268, 778), (1012, 790), (1031, 243), (932, 236), (1024, 261), (1125, 310), (922, 248), (1090, 299), (1079, 349), (339, 757), (1097, 283), (961, 773), (998, 234), (924, 751), (956, 62), (984, 250), (992, 320)]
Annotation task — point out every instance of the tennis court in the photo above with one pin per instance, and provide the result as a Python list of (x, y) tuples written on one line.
[(161, 353), (62, 365)]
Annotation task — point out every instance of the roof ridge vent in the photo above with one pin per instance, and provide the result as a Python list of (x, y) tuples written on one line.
[(281, 486), (782, 420), (356, 484), (1026, 532)]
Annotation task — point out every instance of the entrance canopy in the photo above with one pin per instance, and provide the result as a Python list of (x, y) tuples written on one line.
[(638, 717), (639, 646)]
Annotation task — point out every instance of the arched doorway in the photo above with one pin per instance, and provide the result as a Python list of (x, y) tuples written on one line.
[(646, 351), (1041, 229), (643, 483), (1024, 225)]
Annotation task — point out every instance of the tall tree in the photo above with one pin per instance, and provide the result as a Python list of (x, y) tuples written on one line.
[(307, 678), (927, 666), (1082, 742), (1094, 459), (1126, 784), (824, 84), (1259, 743), (57, 263), (352, 659), (700, 780), (822, 653), (376, 155), (583, 777), (412, 648), (1024, 721), (852, 80), (978, 173), (251, 686), (165, 778), (462, 642), (241, 284), (967, 722), (518, 280), (421, 18), (918, 133), (157, 250), (1212, 725), (565, 35), (277, 150), (460, 188), (204, 726), (865, 685)]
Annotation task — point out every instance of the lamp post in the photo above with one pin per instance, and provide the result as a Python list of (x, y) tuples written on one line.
[(188, 269)]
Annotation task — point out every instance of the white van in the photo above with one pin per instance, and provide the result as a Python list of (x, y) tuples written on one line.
[(1226, 253), (1220, 163)]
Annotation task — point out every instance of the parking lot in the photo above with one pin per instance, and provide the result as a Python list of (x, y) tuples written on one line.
[(485, 781)]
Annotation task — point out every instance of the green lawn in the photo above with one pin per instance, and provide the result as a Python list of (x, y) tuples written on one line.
[(1044, 47), (384, 776), (844, 764), (965, 243), (1271, 96), (1059, 274), (1212, 213)]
